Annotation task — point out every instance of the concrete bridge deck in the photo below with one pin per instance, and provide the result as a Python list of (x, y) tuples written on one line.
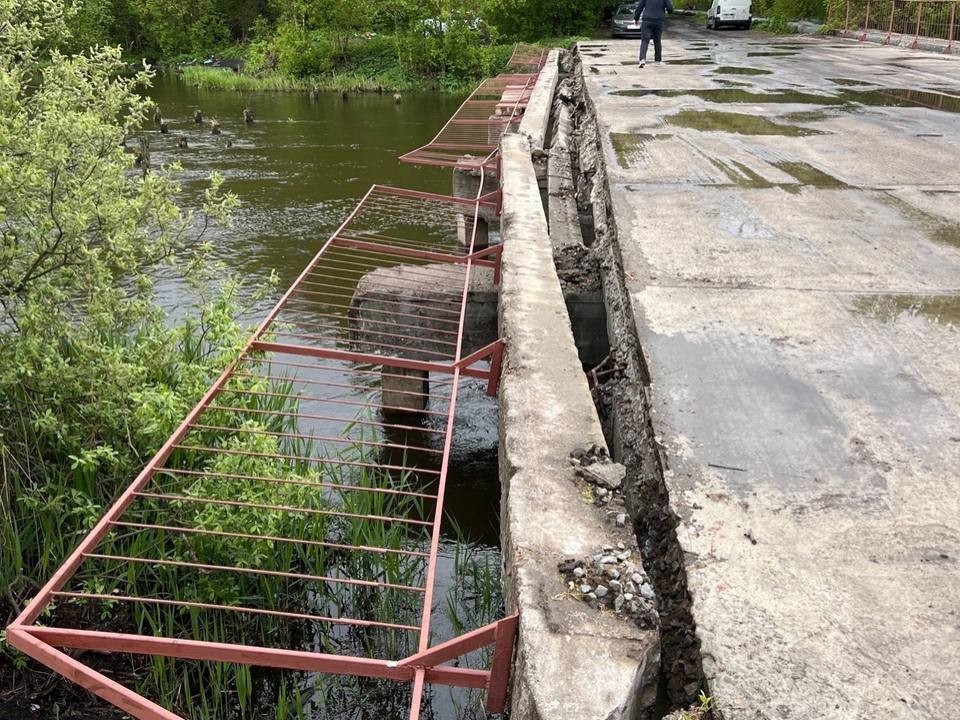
[(790, 233)]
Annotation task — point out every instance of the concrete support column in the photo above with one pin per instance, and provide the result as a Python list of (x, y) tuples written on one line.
[(466, 182), (481, 239), (403, 391)]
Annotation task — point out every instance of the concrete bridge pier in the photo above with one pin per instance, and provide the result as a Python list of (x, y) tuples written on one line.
[(403, 391)]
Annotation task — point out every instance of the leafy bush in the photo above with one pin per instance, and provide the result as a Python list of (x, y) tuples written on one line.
[(302, 53)]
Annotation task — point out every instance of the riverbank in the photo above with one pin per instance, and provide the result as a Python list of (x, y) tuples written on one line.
[(367, 66)]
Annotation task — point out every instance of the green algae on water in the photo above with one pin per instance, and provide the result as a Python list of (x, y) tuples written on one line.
[(733, 70), (718, 121)]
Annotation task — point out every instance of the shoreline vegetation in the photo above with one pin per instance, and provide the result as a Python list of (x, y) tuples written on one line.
[(385, 76)]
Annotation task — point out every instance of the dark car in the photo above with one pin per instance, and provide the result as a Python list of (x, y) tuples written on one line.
[(623, 24)]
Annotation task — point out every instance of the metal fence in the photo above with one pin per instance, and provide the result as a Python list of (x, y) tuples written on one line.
[(299, 494), (912, 23)]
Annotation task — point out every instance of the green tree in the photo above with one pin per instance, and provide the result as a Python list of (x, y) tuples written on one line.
[(84, 350)]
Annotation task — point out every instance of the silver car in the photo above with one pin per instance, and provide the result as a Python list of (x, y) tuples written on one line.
[(623, 24)]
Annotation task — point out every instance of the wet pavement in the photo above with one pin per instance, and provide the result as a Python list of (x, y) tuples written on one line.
[(788, 212)]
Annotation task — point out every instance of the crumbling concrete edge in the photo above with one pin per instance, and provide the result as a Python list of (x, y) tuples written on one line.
[(536, 118), (636, 446), (572, 661)]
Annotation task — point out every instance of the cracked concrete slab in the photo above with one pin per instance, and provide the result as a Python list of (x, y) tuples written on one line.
[(797, 298)]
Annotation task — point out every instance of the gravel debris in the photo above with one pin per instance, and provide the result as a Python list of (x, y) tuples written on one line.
[(606, 582)]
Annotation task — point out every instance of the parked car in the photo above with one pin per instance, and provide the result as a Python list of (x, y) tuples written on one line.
[(623, 24), (730, 13)]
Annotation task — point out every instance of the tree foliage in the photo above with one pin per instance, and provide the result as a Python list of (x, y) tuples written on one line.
[(83, 347)]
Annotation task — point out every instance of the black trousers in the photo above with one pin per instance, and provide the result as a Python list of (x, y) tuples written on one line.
[(651, 29)]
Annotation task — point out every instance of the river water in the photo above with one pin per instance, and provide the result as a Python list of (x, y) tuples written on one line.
[(298, 170)]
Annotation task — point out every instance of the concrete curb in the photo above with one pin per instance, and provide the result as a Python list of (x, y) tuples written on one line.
[(536, 118), (903, 41), (572, 661)]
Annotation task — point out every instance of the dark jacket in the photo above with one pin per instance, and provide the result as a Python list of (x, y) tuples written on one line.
[(652, 10)]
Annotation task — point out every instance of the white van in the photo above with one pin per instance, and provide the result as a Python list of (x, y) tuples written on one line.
[(730, 13)]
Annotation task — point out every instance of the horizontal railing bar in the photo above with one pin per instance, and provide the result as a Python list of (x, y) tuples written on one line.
[(233, 608), (347, 368), (311, 416), (399, 286), (367, 320), (312, 337), (391, 313), (281, 508), (304, 483), (306, 351), (251, 655), (322, 383), (333, 257), (271, 538), (253, 571), (332, 401), (382, 301), (305, 458), (324, 438)]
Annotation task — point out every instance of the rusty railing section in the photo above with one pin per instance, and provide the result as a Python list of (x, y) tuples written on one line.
[(309, 479)]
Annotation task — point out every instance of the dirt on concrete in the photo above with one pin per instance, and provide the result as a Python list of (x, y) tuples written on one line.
[(578, 269)]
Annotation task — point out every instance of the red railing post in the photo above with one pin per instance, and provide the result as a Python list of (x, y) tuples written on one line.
[(953, 19), (893, 10), (846, 20), (502, 660), (866, 23), (916, 34)]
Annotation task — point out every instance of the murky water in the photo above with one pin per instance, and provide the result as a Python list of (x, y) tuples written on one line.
[(298, 170)]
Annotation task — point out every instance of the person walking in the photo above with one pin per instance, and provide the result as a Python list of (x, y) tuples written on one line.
[(652, 27)]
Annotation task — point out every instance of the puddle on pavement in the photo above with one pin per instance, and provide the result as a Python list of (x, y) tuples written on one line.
[(770, 54), (941, 309), (718, 121), (733, 95), (848, 83), (731, 83), (691, 61), (936, 227), (815, 115), (805, 174), (630, 147), (901, 97), (947, 233), (740, 175), (733, 70)]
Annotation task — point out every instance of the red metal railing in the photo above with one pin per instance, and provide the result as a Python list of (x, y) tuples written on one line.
[(300, 478), (471, 137), (935, 23)]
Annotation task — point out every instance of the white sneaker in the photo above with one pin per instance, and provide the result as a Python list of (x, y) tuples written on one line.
[(656, 62), (643, 63)]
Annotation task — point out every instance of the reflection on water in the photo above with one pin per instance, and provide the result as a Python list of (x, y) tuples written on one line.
[(298, 169)]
